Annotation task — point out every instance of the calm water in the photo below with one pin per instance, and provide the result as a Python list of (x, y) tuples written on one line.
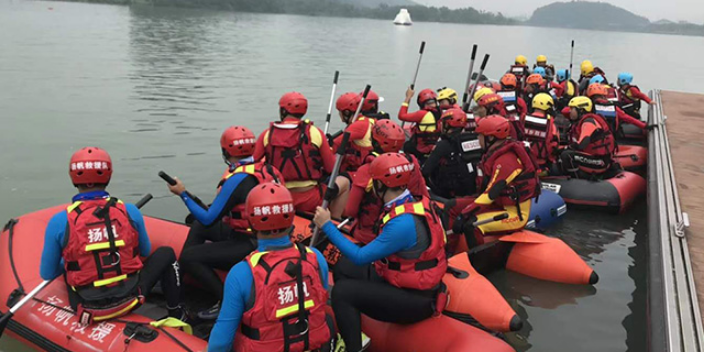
[(156, 87)]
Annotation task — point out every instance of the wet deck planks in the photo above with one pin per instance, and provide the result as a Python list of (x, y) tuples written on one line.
[(685, 123)]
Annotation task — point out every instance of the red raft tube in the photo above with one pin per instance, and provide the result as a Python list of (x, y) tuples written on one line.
[(615, 195), (633, 158)]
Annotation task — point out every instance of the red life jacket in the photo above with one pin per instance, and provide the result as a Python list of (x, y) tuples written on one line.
[(520, 71), (471, 122), (628, 103), (264, 173), (101, 259), (524, 187), (540, 131), (612, 95), (291, 151), (408, 269), (281, 288), (354, 154), (602, 142), (425, 135)]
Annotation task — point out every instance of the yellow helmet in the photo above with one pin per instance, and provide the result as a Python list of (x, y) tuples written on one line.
[(482, 92), (587, 67), (581, 103), (542, 59), (521, 60), (543, 101), (447, 94)]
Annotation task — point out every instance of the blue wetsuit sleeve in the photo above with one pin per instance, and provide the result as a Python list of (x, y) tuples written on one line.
[(238, 288), (145, 244), (323, 265), (223, 202), (398, 234), (50, 266)]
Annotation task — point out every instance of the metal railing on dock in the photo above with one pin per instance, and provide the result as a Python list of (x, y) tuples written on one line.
[(674, 318)]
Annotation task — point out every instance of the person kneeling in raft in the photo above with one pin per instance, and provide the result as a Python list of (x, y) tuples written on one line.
[(404, 285), (275, 299), (100, 240), (508, 181)]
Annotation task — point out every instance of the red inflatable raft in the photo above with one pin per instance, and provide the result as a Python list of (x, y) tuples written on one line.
[(47, 322), (633, 158), (614, 195)]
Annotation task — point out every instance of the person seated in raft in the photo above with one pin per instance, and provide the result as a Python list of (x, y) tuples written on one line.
[(425, 131), (447, 98), (542, 62), (302, 153), (275, 299), (588, 71), (535, 84), (360, 132), (541, 132), (228, 234), (509, 93), (630, 96), (370, 108), (521, 70), (592, 145), (508, 181), (363, 205), (607, 109), (397, 277), (451, 168), (493, 104), (100, 240), (565, 89)]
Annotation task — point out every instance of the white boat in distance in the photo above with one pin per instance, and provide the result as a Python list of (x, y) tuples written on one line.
[(403, 18)]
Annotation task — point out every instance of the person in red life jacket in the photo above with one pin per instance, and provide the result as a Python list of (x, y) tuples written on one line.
[(397, 277), (592, 145), (588, 71), (425, 131), (101, 246), (511, 95), (360, 132), (228, 234), (493, 104), (541, 132), (535, 84), (565, 89), (542, 61), (363, 205), (609, 111), (630, 96), (508, 181), (302, 153), (370, 108), (275, 299), (451, 167), (447, 98), (521, 70)]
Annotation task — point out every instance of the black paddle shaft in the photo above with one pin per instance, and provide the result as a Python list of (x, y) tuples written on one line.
[(172, 182)]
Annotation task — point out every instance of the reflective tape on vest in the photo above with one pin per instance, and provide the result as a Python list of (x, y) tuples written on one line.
[(109, 281), (605, 110), (293, 309), (538, 120), (417, 210), (507, 96), (103, 245)]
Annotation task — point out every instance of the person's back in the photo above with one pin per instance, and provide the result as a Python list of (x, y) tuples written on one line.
[(425, 132), (541, 132)]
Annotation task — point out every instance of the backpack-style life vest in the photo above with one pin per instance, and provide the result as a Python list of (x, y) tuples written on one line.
[(291, 151)]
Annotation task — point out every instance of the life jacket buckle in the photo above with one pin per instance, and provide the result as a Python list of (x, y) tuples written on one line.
[(113, 255), (305, 331)]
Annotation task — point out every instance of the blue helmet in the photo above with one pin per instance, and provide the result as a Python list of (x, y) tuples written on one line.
[(625, 78), (562, 75), (597, 79), (540, 71)]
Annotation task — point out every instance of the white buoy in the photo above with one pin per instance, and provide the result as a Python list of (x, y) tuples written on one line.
[(403, 18)]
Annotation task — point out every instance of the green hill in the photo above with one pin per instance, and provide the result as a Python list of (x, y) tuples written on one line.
[(588, 15)]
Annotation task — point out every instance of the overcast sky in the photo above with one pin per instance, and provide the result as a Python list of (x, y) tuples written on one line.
[(676, 10)]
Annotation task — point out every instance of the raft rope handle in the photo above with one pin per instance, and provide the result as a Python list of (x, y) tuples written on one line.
[(11, 233)]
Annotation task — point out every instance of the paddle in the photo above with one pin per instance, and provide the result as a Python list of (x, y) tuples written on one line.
[(476, 82), (571, 58), (335, 172), (332, 98), (361, 103), (415, 76), (5, 319), (499, 217), (172, 182), (469, 77)]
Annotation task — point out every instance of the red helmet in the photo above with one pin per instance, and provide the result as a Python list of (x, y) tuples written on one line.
[(535, 79), (597, 89), (509, 80), (454, 118), (294, 103), (391, 169), (348, 102), (426, 95), (388, 135), (494, 125), (269, 207), (370, 104), (237, 141), (490, 100), (90, 165)]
